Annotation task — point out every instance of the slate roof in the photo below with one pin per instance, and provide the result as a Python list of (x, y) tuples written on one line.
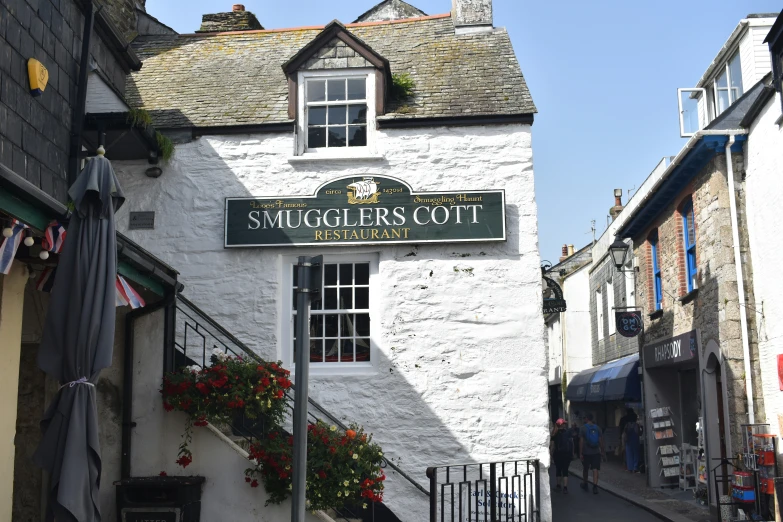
[(224, 79)]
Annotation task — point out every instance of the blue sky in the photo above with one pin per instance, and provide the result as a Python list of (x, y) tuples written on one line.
[(603, 74)]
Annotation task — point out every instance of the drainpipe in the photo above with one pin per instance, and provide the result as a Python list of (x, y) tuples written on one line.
[(740, 282), (127, 380)]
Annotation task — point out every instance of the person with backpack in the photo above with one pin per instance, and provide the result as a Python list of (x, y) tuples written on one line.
[(591, 451), (631, 438), (562, 452)]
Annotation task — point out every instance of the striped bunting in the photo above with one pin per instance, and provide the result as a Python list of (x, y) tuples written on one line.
[(11, 245)]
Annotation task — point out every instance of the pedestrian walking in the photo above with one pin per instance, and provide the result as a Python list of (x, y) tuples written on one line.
[(631, 438), (575, 437), (591, 451), (562, 450)]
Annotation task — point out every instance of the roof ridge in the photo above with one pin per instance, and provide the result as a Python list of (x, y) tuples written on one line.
[(321, 27)]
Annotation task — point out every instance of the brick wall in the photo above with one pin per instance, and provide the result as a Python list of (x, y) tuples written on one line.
[(715, 308), (35, 132)]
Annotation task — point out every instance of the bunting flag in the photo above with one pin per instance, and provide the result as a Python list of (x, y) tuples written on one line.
[(11, 245), (54, 237), (45, 281), (126, 295)]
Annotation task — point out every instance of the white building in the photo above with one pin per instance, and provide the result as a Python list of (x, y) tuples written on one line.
[(435, 340)]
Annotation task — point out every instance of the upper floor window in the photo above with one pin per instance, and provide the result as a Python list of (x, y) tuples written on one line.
[(337, 111), (610, 307), (689, 236), (656, 271), (599, 306), (727, 87)]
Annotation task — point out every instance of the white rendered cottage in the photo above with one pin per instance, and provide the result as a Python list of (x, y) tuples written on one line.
[(435, 340)]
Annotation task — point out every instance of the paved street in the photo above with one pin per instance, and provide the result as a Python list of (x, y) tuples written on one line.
[(579, 506)]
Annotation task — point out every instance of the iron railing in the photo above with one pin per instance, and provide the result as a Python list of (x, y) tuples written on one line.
[(197, 335), (486, 492)]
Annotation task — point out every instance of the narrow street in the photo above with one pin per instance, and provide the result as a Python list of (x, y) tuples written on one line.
[(581, 506)]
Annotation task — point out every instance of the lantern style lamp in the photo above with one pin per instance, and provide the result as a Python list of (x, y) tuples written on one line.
[(619, 251)]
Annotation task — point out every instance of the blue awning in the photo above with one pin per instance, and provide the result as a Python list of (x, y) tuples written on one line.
[(614, 381)]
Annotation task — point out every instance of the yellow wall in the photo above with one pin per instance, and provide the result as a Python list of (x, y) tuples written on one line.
[(11, 307)]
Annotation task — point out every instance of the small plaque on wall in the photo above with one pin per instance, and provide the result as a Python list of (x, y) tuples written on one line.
[(142, 221)]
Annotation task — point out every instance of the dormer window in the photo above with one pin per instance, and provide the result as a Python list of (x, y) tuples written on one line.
[(336, 111), (727, 87)]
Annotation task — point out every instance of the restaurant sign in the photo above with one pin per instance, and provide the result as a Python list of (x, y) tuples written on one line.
[(676, 350), (365, 210)]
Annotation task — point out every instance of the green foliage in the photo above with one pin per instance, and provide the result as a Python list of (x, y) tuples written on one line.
[(139, 118), (165, 146), (402, 86)]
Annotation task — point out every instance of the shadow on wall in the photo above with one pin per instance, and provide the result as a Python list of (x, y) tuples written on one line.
[(431, 400)]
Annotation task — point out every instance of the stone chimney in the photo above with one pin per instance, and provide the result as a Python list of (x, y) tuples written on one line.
[(618, 204), (236, 20), (471, 16)]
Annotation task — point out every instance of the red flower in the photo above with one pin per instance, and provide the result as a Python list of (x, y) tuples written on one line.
[(163, 474), (254, 484), (201, 421), (247, 479), (322, 474), (203, 388), (274, 367), (280, 394), (350, 434), (265, 381), (167, 406), (332, 450), (184, 460)]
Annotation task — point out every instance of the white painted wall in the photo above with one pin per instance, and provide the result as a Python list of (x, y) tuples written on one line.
[(461, 367), (764, 199), (156, 438), (554, 335), (577, 340)]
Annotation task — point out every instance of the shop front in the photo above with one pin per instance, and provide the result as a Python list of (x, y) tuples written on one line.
[(674, 412)]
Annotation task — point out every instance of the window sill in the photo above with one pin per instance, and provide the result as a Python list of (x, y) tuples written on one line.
[(656, 314), (690, 296), (328, 158), (338, 370)]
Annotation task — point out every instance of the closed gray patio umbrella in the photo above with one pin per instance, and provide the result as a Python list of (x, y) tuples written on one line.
[(77, 343)]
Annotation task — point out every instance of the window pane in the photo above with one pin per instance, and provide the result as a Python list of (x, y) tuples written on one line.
[(357, 89), (735, 74), (362, 274), (332, 350), (316, 115), (316, 326), (691, 228), (293, 300), (347, 351), (336, 90), (722, 91), (362, 325), (690, 112), (357, 114), (330, 275), (316, 137), (317, 304), (337, 136), (337, 115), (316, 350), (362, 349), (362, 298), (330, 298), (295, 276), (346, 298), (357, 136), (316, 91), (346, 274), (331, 325)]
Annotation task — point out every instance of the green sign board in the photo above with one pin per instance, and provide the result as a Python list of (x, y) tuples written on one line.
[(366, 210)]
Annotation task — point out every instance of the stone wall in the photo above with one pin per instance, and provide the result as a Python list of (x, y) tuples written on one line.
[(459, 374), (714, 309), (231, 21), (35, 132)]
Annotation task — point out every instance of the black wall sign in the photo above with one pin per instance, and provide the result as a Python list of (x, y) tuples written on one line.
[(629, 323), (142, 221), (553, 297), (676, 350), (366, 210)]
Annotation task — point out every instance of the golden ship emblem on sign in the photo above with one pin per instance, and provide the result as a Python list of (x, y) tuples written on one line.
[(363, 192)]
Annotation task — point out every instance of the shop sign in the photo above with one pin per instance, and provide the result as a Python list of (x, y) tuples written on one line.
[(553, 297), (366, 210), (677, 350), (629, 324)]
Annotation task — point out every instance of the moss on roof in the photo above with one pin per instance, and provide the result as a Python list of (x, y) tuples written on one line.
[(237, 79)]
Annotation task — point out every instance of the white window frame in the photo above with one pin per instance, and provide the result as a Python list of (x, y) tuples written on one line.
[(703, 93), (714, 83), (610, 307), (301, 126), (630, 290), (599, 307), (286, 347)]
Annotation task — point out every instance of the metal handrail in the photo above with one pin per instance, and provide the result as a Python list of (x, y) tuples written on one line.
[(315, 411)]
